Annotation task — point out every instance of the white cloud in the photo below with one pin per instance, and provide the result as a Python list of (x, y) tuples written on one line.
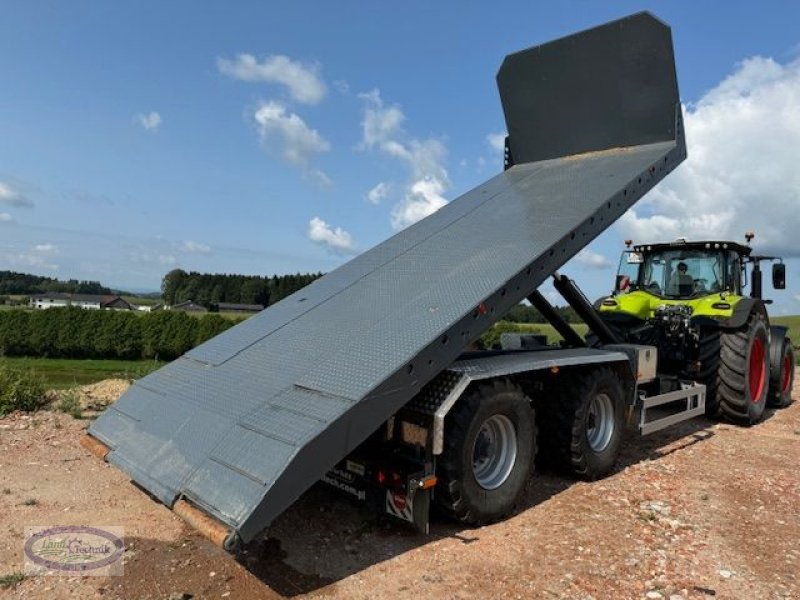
[(380, 123), (6, 218), (303, 81), (37, 258), (166, 260), (593, 260), (422, 199), (297, 142), (497, 141), (195, 247), (378, 193), (742, 172), (150, 121), (336, 239), (10, 196), (382, 130)]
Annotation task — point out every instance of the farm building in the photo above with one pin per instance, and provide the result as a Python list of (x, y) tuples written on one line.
[(89, 301)]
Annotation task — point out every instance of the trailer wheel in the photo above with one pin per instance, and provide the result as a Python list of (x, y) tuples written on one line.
[(582, 427), (489, 446), (743, 376), (783, 378)]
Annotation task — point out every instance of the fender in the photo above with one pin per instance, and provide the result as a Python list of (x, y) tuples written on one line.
[(742, 311)]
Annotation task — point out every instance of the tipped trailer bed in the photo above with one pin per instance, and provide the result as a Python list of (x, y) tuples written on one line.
[(233, 432)]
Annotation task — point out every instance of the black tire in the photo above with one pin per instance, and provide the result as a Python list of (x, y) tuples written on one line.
[(782, 380), (743, 374), (568, 423), (458, 492), (709, 358)]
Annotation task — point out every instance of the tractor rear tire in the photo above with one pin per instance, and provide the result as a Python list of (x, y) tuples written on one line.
[(782, 379), (487, 459), (582, 426), (743, 374)]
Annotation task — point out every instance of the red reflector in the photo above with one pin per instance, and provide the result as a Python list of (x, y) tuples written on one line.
[(381, 477)]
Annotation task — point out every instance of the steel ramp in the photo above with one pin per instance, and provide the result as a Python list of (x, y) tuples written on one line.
[(245, 423)]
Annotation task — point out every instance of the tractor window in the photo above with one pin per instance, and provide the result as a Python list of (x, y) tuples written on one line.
[(683, 273), (628, 272)]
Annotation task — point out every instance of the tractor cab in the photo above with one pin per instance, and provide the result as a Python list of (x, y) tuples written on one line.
[(682, 270), (705, 278)]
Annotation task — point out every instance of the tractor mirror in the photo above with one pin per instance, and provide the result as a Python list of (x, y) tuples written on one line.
[(779, 276)]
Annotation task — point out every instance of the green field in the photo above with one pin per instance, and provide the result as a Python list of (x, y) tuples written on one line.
[(62, 373), (793, 323)]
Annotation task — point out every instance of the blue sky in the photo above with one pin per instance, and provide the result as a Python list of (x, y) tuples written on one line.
[(246, 137)]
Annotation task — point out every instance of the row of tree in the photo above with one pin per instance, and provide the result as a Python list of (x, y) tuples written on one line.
[(80, 333), (15, 283), (528, 314), (210, 289)]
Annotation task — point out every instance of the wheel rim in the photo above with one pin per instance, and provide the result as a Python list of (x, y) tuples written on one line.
[(758, 370), (494, 452), (788, 369), (600, 422)]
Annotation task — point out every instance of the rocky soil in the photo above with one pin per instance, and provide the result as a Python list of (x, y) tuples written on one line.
[(705, 510)]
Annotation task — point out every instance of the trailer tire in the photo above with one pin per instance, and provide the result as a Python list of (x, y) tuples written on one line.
[(783, 378), (489, 447), (573, 438), (743, 374)]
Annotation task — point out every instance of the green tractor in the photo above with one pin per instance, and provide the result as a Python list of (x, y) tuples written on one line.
[(686, 298)]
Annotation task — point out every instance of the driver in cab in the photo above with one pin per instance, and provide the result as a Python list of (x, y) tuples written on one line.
[(681, 283)]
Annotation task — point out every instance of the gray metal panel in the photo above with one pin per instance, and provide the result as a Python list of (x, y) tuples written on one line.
[(311, 377), (545, 90), (520, 362)]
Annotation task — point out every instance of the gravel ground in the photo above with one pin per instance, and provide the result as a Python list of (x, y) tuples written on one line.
[(703, 510)]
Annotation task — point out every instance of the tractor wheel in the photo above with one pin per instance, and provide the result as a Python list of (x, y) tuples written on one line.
[(582, 428), (709, 358), (780, 393), (489, 447), (743, 375)]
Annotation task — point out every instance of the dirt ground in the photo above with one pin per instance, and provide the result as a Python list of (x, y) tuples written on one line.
[(703, 510)]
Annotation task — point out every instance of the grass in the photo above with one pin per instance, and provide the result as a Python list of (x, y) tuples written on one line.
[(63, 373), (793, 323), (70, 404), (139, 300), (12, 579), (553, 336)]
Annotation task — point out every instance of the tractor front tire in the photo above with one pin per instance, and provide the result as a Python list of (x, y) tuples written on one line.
[(709, 358), (782, 380), (489, 448), (743, 375)]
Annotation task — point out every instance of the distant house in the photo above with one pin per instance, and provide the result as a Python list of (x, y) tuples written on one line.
[(239, 308), (189, 306), (148, 307), (88, 301)]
